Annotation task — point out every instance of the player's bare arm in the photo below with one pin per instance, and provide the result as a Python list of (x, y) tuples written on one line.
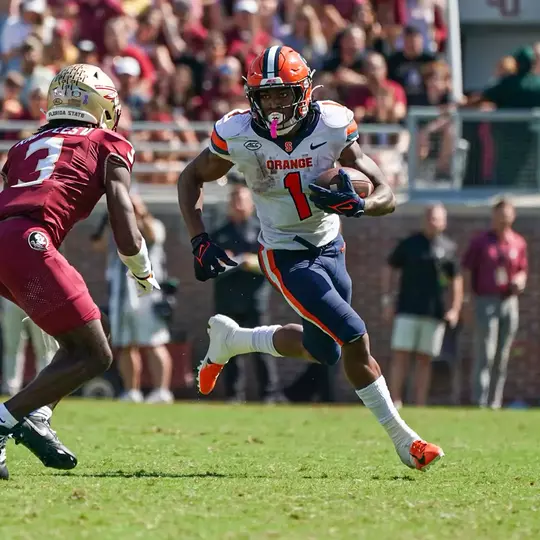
[(382, 201), (121, 213), (131, 245), (208, 256), (206, 167)]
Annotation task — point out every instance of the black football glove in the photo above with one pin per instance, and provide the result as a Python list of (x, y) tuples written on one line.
[(208, 257), (345, 201)]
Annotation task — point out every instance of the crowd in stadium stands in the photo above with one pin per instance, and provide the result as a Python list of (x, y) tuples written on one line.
[(181, 61)]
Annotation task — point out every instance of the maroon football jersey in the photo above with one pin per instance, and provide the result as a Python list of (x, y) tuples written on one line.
[(57, 176)]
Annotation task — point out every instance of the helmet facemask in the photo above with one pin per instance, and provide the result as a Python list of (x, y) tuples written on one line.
[(280, 122)]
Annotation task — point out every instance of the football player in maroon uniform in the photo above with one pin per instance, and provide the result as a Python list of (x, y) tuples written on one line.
[(52, 180)]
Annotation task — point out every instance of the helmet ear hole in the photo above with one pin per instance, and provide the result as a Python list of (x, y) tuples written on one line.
[(108, 115)]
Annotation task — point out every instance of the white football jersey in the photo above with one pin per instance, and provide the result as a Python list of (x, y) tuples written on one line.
[(278, 171)]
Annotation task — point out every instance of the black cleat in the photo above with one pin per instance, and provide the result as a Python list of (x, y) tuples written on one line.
[(37, 435), (4, 473)]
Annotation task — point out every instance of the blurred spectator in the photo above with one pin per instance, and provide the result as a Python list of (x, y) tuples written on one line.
[(94, 16), (512, 144), (246, 39), (306, 36), (61, 51), (136, 7), (498, 263), (242, 293), (117, 44), (214, 54), (36, 74), (87, 52), (182, 30), (405, 67), (436, 86), (270, 20), (149, 36), (11, 95), (128, 72), (364, 16), (17, 328), (37, 103), (428, 263), (506, 66), (522, 90), (135, 325), (32, 19), (181, 96), (380, 100), (391, 12), (427, 16), (344, 66), (226, 94), (437, 138)]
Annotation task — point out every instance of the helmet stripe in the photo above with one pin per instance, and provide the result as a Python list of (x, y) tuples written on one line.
[(265, 64), (276, 62), (271, 62)]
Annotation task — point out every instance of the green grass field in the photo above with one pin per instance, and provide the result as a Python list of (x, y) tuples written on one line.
[(261, 472)]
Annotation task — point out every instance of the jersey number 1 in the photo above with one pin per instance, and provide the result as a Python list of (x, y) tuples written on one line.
[(294, 184)]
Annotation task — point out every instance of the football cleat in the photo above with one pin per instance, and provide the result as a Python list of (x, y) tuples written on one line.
[(221, 331), (37, 435), (423, 455), (4, 473)]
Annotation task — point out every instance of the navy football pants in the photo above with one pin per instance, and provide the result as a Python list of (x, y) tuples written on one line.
[(316, 284)]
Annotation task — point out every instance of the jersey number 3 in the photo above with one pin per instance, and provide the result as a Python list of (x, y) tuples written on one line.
[(293, 183), (45, 166)]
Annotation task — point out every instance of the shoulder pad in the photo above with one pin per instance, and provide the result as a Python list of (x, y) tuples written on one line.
[(114, 144), (233, 123), (335, 115)]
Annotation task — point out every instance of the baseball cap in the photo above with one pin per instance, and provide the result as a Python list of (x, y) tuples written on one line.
[(250, 6), (127, 65), (35, 6), (86, 46)]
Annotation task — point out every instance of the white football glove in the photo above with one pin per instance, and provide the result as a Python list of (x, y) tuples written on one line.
[(144, 285)]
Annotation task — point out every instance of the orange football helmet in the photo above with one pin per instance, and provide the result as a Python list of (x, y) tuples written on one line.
[(279, 67)]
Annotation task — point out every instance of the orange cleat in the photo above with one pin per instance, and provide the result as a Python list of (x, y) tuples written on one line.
[(423, 455), (221, 330), (208, 376)]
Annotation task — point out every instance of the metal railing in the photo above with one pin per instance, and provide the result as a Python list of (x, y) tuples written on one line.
[(188, 151), (490, 151), (507, 142)]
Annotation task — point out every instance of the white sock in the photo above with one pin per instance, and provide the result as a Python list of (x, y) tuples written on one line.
[(376, 397), (259, 339), (44, 413), (7, 420)]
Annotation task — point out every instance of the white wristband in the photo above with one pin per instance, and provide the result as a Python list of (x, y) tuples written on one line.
[(139, 264)]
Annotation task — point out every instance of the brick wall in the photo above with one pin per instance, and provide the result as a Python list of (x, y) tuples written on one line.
[(368, 243)]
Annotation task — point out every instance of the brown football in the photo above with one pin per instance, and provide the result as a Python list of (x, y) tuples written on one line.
[(361, 183)]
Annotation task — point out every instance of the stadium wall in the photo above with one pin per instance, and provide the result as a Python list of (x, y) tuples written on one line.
[(368, 243)]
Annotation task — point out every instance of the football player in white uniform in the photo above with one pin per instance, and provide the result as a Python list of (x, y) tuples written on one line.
[(282, 144)]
